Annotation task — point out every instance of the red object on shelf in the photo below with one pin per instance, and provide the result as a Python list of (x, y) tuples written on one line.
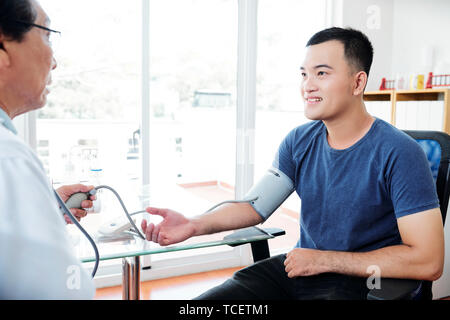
[(430, 81), (383, 84), (387, 84), (438, 80)]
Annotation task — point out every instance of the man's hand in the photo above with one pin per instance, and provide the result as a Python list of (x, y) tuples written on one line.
[(66, 191), (173, 229), (304, 262)]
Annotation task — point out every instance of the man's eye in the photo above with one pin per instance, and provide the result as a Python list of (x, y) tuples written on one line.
[(321, 73), (303, 75)]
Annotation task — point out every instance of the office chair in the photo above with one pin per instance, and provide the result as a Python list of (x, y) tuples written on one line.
[(437, 148)]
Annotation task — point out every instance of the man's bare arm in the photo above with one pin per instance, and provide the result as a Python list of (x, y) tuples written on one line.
[(420, 256), (227, 217), (176, 228)]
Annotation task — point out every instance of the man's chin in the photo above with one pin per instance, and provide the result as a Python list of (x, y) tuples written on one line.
[(312, 117)]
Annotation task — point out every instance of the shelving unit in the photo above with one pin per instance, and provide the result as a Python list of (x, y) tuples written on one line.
[(413, 95)]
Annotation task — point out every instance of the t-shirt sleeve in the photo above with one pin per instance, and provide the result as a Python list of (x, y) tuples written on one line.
[(284, 159), (410, 181)]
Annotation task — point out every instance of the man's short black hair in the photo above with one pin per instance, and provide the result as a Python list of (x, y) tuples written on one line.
[(357, 47), (16, 10)]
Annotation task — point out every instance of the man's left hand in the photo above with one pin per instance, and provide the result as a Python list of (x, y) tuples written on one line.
[(304, 262)]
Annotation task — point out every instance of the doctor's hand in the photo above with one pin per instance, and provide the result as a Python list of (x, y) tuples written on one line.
[(66, 191), (173, 229)]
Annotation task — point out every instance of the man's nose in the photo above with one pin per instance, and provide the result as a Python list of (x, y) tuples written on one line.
[(308, 85)]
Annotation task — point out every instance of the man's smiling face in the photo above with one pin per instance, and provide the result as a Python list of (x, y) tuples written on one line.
[(328, 78)]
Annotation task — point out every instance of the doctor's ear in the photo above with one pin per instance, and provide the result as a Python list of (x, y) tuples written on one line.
[(4, 57)]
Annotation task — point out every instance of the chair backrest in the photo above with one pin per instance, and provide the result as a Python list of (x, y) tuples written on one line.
[(436, 145)]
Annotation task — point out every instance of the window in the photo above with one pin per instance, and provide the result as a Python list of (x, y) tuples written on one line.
[(284, 28), (93, 112), (90, 131), (193, 45), (93, 116)]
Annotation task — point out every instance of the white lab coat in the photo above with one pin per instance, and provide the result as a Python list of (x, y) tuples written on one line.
[(36, 255)]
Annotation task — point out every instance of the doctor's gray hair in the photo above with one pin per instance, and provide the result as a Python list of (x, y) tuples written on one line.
[(12, 11)]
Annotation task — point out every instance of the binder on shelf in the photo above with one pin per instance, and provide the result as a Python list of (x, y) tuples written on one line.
[(400, 115), (426, 109), (379, 109), (436, 115), (420, 115)]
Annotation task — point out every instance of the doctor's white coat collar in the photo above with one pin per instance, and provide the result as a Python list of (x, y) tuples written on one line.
[(5, 121)]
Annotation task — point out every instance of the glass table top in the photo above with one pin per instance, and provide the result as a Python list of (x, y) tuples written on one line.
[(128, 245), (139, 198)]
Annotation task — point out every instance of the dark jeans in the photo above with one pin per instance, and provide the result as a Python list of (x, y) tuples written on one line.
[(267, 280)]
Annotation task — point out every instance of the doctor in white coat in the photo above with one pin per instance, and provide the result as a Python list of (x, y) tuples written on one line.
[(36, 256)]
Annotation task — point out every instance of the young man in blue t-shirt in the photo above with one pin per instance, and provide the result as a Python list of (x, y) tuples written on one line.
[(368, 198)]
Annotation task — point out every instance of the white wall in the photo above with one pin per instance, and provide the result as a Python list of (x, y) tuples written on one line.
[(418, 25), (409, 36), (375, 19)]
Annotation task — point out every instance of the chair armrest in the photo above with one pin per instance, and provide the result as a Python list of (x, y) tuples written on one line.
[(251, 232), (260, 248), (396, 289)]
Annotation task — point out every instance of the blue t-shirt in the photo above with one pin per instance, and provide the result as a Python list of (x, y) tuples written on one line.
[(351, 198)]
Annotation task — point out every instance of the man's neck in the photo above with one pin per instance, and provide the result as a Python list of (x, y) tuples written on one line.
[(347, 129)]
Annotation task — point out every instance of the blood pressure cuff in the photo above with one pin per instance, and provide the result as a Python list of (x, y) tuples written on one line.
[(270, 192)]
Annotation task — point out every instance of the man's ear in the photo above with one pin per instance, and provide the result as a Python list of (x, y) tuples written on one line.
[(360, 82), (4, 56)]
